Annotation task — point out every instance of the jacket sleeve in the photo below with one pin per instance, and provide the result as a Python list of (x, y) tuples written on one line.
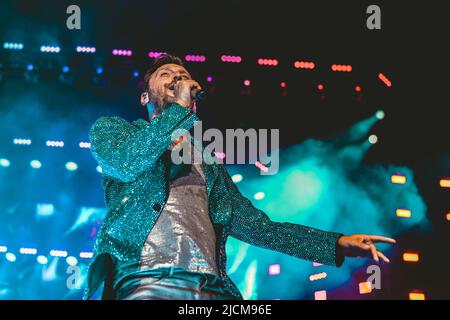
[(253, 226), (124, 152)]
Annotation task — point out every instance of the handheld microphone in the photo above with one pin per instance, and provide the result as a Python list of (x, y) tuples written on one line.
[(200, 95)]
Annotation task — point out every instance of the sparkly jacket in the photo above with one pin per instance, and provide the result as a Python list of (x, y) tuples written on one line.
[(133, 157)]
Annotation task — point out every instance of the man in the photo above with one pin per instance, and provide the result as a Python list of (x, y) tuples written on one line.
[(165, 231)]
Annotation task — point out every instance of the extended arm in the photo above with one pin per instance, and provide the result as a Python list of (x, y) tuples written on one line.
[(124, 151)]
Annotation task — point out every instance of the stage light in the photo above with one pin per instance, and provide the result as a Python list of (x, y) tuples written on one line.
[(283, 84), (3, 248), (22, 141), (317, 276), (385, 80), (50, 49), (410, 257), (398, 179), (136, 74), (341, 67), (30, 67), (99, 169), (237, 178), (122, 52), (65, 69), (4, 163), (219, 155), (274, 269), (86, 255), (81, 49), (154, 54), (379, 114), (358, 88), (12, 46), (448, 216), (316, 264), (444, 183), (403, 213), (71, 166), (261, 167), (71, 261), (42, 259), (35, 164), (373, 139), (304, 65), (209, 79), (11, 257), (365, 287), (195, 58), (85, 145), (320, 295), (45, 209), (259, 195), (247, 83), (320, 87), (58, 253), (99, 70), (232, 59), (52, 143), (267, 62), (27, 250), (416, 296)]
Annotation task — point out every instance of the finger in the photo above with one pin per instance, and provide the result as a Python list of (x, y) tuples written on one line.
[(374, 253), (381, 239), (382, 256)]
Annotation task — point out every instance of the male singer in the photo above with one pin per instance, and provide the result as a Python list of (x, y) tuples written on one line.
[(167, 224)]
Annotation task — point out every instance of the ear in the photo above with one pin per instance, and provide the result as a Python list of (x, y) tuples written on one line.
[(144, 98)]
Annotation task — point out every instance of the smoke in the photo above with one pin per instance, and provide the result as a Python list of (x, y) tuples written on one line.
[(326, 185)]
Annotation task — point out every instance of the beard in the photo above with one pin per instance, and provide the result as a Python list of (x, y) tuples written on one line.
[(160, 103)]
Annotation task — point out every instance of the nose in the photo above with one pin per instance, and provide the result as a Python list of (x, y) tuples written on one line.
[(177, 78)]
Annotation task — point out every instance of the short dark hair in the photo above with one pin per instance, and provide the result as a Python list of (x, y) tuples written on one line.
[(161, 60)]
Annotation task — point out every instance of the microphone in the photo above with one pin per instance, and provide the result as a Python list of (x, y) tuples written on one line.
[(200, 95)]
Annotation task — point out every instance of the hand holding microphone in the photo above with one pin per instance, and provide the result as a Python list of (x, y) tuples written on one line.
[(186, 92)]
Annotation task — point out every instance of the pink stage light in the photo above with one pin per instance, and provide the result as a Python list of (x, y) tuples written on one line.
[(320, 87), (304, 65), (122, 52), (233, 59), (341, 68), (195, 58), (320, 295), (386, 81), (154, 54), (283, 84), (247, 83), (267, 62), (274, 269)]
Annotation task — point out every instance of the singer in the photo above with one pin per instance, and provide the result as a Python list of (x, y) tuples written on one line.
[(167, 225)]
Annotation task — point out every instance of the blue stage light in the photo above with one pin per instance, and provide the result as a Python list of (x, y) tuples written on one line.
[(42, 259), (12, 46), (36, 164), (30, 67), (45, 209), (11, 257), (66, 69), (99, 169), (136, 74), (4, 163), (99, 70), (379, 114), (71, 166)]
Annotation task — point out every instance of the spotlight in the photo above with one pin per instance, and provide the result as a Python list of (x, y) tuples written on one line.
[(365, 287), (195, 58), (86, 255), (358, 88), (51, 143), (99, 70), (154, 54), (44, 209), (320, 87), (320, 295), (42, 259), (283, 84), (373, 139), (237, 178), (341, 68), (81, 49), (85, 145), (379, 114), (12, 46), (247, 83), (403, 213), (259, 195), (385, 80), (71, 260), (274, 269), (261, 166), (122, 52), (30, 67), (209, 79), (11, 257), (58, 253), (71, 166), (65, 69), (27, 250), (22, 141), (99, 169), (317, 276), (416, 296), (267, 62), (4, 163), (135, 74), (3, 249), (410, 257), (50, 49), (304, 65), (35, 164), (398, 179), (444, 183), (233, 59)]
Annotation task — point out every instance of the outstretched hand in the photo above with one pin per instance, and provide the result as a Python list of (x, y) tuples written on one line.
[(362, 245)]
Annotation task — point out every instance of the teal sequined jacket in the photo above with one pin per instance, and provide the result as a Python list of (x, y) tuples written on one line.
[(133, 158)]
